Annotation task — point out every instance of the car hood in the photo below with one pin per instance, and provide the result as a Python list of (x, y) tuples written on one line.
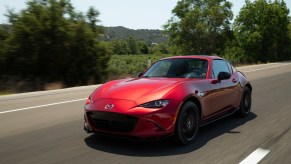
[(139, 90)]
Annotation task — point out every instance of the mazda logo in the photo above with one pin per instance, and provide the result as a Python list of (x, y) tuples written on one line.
[(109, 106)]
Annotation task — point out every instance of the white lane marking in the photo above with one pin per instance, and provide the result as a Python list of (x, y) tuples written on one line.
[(266, 68), (255, 157), (39, 106), (248, 66)]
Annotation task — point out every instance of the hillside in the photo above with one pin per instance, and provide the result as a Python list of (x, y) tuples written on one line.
[(119, 32), (150, 36)]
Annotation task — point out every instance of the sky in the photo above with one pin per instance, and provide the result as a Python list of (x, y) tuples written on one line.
[(133, 14)]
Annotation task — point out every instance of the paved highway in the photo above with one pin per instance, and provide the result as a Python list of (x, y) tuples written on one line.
[(47, 127)]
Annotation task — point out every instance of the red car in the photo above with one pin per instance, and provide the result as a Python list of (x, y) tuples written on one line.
[(175, 96)]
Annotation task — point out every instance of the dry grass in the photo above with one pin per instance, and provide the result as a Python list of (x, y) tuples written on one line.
[(54, 85)]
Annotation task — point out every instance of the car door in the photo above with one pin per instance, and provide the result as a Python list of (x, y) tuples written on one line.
[(223, 91)]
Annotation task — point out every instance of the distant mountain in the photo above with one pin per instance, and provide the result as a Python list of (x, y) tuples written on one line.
[(119, 32)]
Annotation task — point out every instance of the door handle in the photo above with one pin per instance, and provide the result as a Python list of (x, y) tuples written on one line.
[(234, 80)]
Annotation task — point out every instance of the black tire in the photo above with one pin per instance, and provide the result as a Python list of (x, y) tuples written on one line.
[(245, 103), (187, 124)]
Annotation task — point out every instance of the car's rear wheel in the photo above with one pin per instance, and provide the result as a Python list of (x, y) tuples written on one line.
[(246, 103), (187, 123)]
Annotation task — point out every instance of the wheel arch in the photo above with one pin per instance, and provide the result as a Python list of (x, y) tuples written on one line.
[(195, 100), (249, 86), (177, 132)]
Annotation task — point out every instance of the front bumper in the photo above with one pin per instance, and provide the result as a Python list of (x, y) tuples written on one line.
[(154, 125)]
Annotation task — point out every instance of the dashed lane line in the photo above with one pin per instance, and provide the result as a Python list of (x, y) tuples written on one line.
[(255, 157)]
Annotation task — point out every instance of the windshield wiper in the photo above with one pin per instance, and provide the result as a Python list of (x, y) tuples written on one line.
[(153, 76)]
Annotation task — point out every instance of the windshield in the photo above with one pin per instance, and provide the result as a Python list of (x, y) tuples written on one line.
[(178, 68)]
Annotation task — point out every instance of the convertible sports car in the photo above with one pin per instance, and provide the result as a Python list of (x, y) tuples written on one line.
[(175, 96)]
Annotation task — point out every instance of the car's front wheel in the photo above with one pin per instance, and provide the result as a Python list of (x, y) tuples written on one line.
[(246, 103), (187, 123)]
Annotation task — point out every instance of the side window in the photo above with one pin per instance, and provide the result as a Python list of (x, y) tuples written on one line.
[(219, 66), (199, 67), (230, 67)]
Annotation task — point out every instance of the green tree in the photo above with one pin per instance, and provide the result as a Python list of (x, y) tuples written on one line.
[(142, 47), (51, 42), (289, 29), (129, 46), (164, 48), (3, 37), (132, 45), (198, 26), (161, 48), (261, 31), (120, 47)]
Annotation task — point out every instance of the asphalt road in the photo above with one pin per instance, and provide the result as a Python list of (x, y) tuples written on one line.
[(47, 127)]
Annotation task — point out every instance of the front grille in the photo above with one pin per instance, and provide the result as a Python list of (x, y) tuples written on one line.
[(113, 121)]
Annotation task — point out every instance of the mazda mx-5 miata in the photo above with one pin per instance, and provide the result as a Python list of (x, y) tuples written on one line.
[(175, 96)]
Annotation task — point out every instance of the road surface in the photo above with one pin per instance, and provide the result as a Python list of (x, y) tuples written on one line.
[(47, 127)]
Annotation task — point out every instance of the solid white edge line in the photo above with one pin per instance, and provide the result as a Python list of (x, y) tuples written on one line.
[(266, 68), (256, 156), (39, 106), (249, 66)]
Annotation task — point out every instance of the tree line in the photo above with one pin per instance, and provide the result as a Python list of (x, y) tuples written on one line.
[(132, 46), (49, 41), (260, 32)]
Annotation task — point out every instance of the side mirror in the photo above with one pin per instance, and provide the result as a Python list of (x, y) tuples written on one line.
[(223, 76), (139, 74)]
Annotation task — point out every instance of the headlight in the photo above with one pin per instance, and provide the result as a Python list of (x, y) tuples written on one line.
[(89, 100), (156, 104)]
